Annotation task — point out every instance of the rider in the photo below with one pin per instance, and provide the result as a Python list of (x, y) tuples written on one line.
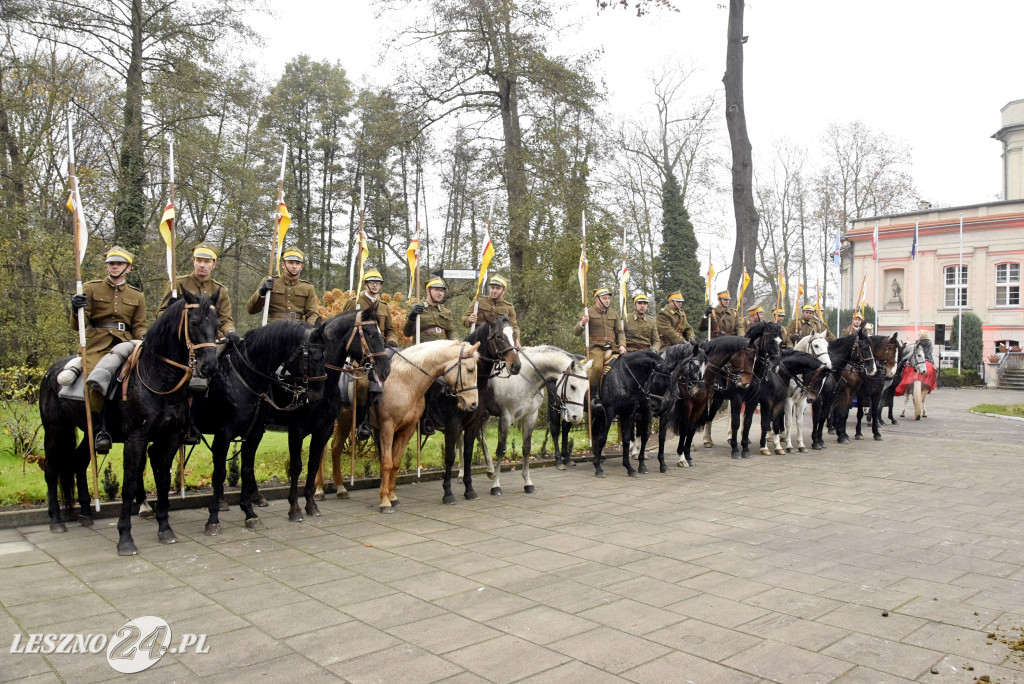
[(672, 325), (606, 338), (723, 320), (290, 297), (372, 282), (779, 317), (855, 326), (755, 315), (641, 330), (435, 320), (115, 312), (809, 323), (492, 305)]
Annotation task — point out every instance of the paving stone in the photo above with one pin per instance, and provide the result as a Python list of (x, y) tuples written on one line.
[(784, 663), (506, 659), (543, 625), (902, 660), (686, 668), (338, 643), (610, 650), (444, 633), (390, 611), (402, 663)]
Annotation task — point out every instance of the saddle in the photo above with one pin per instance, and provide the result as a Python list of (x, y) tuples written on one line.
[(100, 378)]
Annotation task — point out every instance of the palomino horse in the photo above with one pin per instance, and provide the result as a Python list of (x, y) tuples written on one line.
[(919, 367), (401, 402), (627, 391), (152, 406), (517, 398), (730, 363)]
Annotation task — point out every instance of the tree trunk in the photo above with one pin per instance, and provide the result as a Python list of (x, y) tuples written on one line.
[(129, 212), (742, 161)]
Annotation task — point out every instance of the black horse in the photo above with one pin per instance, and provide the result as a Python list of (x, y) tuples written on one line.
[(889, 392), (497, 350), (687, 362), (797, 369), (627, 391), (277, 366), (872, 388), (559, 428), (852, 350)]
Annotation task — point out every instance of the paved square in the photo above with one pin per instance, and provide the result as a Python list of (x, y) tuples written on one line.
[(900, 560)]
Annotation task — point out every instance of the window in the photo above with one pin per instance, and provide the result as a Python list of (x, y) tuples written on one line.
[(956, 290), (1007, 284)]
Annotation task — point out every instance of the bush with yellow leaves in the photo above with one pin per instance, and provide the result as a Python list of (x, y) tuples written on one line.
[(398, 306)]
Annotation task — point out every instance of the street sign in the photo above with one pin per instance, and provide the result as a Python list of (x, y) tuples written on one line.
[(456, 273)]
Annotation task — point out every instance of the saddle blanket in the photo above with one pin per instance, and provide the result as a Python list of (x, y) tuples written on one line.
[(928, 379)]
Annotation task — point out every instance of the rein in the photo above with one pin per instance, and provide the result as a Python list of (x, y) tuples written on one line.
[(448, 389), (561, 395), (189, 368), (298, 387)]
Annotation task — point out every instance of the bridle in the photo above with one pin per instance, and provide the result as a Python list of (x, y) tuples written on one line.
[(296, 386), (494, 336), (188, 368), (561, 389), (689, 383), (821, 356), (730, 375), (447, 388), (368, 357), (860, 365)]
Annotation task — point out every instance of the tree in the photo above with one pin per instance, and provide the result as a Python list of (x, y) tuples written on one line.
[(678, 267), (973, 343)]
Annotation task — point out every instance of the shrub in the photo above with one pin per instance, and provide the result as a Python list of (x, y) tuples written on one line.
[(973, 344), (21, 383), (967, 378)]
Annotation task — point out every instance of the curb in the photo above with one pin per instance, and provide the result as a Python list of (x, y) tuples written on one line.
[(995, 415)]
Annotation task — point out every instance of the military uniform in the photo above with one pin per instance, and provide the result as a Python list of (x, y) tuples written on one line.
[(489, 310), (113, 314), (802, 328), (641, 332), (290, 299), (384, 322), (436, 323), (724, 321), (189, 283), (673, 328), (605, 334), (849, 330)]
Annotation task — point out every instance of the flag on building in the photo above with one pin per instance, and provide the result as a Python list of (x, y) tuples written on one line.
[(874, 243), (835, 251), (913, 245)]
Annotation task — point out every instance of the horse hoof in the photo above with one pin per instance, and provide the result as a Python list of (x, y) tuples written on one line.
[(765, 452), (878, 438), (893, 421), (663, 468), (311, 509), (683, 464), (903, 414), (802, 450), (917, 418), (295, 516), (342, 494), (600, 474), (471, 495), (146, 511), (560, 466), (735, 456), (495, 491), (223, 505), (85, 520), (127, 549), (748, 455), (58, 527), (394, 503), (633, 473), (708, 444), (858, 436), (817, 447), (530, 489), (167, 537), (388, 510), (782, 452), (831, 431), (844, 440), (319, 495), (254, 524), (448, 499), (212, 530), (642, 469), (258, 500)]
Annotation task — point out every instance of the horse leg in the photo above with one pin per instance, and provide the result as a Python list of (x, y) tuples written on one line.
[(734, 427), (57, 444), (402, 438), (220, 449), (387, 438), (133, 460), (504, 423), (294, 470), (451, 434), (337, 450), (747, 420), (857, 434), (317, 445), (466, 459), (599, 429), (626, 424), (917, 400), (528, 425), (161, 457)]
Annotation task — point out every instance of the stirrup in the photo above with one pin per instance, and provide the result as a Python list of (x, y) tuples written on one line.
[(102, 442), (191, 437)]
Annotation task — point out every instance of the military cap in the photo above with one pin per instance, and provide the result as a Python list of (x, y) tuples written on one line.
[(675, 297), (601, 291), (436, 282), (640, 297), (373, 275), (755, 309), (808, 307), (499, 281), (119, 255), (724, 294), (204, 251), (779, 311), (293, 254), (856, 314)]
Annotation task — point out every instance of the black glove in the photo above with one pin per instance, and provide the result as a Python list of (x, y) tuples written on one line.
[(392, 343), (233, 338), (78, 301), (266, 287), (707, 311), (416, 311)]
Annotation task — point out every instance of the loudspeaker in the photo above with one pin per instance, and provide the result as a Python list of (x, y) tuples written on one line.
[(940, 334)]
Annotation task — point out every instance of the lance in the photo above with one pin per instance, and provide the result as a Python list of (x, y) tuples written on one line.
[(275, 250), (416, 291), (351, 272), (78, 228), (483, 275), (586, 328), (174, 295), (623, 280)]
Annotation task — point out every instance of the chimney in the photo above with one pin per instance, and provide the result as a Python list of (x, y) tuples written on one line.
[(922, 205), (1012, 137)]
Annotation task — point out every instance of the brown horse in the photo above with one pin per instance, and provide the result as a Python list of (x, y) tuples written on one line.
[(402, 400)]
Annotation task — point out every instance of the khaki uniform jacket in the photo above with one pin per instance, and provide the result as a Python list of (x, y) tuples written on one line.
[(384, 322), (723, 322), (673, 328), (605, 329), (192, 285), (289, 300), (802, 328), (436, 323), (641, 333), (489, 310), (110, 305), (849, 330)]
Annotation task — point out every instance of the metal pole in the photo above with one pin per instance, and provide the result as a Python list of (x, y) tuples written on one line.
[(416, 293), (352, 437), (174, 294), (917, 278), (876, 295), (586, 339), (959, 301), (276, 241)]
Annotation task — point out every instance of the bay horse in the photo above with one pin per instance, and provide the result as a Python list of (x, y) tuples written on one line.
[(872, 390), (687, 363), (889, 394), (517, 399), (851, 350), (402, 401), (864, 382), (627, 390), (279, 366), (151, 409), (729, 364)]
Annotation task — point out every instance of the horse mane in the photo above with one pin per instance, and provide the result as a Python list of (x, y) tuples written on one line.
[(679, 352), (757, 330), (798, 362), (726, 344), (162, 336), (418, 353), (274, 340), (480, 333)]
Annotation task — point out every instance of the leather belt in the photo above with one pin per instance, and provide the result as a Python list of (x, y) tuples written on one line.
[(120, 327), (290, 316), (634, 347)]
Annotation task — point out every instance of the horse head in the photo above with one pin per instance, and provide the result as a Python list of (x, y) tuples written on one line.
[(572, 390), (461, 376), (888, 354), (862, 354), (691, 373), (365, 344), (918, 358), (818, 346), (307, 363), (198, 328), (742, 363), (501, 344)]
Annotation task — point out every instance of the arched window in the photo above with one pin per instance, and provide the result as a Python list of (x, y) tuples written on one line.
[(1008, 284), (956, 286)]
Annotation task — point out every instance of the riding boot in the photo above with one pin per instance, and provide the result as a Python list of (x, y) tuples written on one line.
[(101, 438), (363, 421), (192, 435), (595, 399)]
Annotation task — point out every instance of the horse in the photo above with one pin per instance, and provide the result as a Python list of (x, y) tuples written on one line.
[(887, 353), (402, 401), (816, 344), (853, 350), (729, 363), (863, 381), (517, 398), (687, 362), (151, 408), (767, 341), (889, 393), (798, 378), (280, 366), (558, 427), (918, 376), (626, 393)]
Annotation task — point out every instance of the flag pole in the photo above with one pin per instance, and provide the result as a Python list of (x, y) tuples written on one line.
[(586, 328), (839, 308), (77, 229), (917, 279), (357, 254), (623, 282), (275, 249), (959, 301), (174, 294), (707, 295), (416, 292), (878, 298), (483, 275)]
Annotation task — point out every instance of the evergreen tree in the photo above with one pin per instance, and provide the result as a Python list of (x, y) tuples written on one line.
[(678, 267)]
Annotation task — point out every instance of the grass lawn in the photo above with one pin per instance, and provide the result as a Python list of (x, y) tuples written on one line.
[(22, 482), (1015, 410)]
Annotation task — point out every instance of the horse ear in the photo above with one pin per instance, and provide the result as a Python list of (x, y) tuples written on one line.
[(588, 364), (215, 296), (472, 350), (188, 296)]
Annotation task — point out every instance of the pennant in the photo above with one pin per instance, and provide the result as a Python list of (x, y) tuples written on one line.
[(874, 243), (363, 252), (623, 286), (582, 274), (913, 245), (75, 207), (412, 255), (485, 262), (835, 251), (743, 287), (710, 278), (284, 219), (782, 289), (862, 298), (799, 298), (167, 233), (817, 292)]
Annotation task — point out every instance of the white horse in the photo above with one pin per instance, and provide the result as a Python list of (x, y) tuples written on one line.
[(518, 398), (918, 357), (798, 396)]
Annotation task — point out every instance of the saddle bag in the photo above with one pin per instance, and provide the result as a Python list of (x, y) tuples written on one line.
[(101, 377)]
